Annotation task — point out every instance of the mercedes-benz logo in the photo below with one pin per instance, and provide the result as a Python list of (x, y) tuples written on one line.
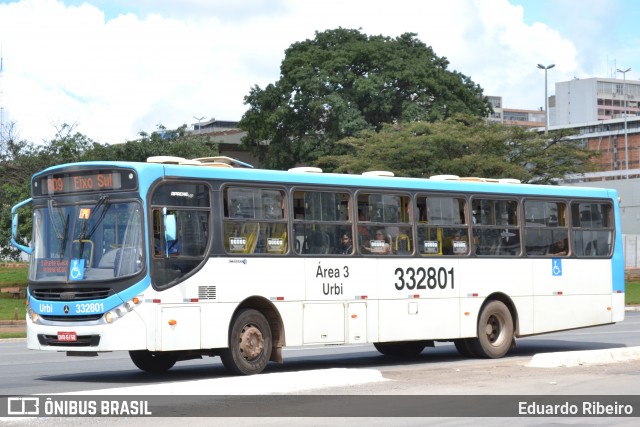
[(66, 309)]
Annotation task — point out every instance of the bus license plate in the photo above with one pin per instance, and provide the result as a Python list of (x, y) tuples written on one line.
[(67, 337)]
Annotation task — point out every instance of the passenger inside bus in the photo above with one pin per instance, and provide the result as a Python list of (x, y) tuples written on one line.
[(363, 233), (558, 248), (346, 244), (457, 244), (380, 244)]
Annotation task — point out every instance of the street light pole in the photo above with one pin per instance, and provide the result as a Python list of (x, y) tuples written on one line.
[(199, 119), (624, 94), (546, 99)]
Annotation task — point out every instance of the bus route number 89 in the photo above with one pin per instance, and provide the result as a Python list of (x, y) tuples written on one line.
[(421, 278)]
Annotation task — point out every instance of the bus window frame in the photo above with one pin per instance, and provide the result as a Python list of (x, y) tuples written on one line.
[(349, 223), (610, 229), (225, 218), (467, 225), (567, 227), (405, 194), (478, 226), (202, 259)]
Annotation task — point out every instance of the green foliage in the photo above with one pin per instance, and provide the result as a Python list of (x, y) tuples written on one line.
[(8, 307), (161, 143), (344, 82), (14, 276), (462, 145)]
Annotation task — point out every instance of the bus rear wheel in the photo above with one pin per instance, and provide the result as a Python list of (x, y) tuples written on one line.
[(400, 349), (495, 332), (250, 344), (152, 361)]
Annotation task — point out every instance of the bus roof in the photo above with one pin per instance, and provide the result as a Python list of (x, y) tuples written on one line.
[(314, 176)]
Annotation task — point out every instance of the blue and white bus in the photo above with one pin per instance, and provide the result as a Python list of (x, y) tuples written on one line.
[(177, 259)]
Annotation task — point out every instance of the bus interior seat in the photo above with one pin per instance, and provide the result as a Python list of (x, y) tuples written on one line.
[(108, 259), (250, 232), (403, 244), (320, 243), (125, 262)]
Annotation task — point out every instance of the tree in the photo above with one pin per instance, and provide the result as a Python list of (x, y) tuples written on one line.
[(19, 159), (464, 146), (177, 143), (343, 82)]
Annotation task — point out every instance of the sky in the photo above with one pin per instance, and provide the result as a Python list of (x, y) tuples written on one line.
[(115, 68)]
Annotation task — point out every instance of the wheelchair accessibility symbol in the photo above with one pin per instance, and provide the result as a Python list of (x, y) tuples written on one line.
[(76, 272), (556, 267)]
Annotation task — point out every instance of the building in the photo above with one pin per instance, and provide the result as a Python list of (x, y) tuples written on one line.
[(515, 117), (618, 142), (227, 134), (605, 114), (595, 99)]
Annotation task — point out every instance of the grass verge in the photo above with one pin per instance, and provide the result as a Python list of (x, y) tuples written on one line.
[(8, 335), (632, 293), (13, 276)]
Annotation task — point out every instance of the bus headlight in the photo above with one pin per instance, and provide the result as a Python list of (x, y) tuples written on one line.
[(122, 310), (109, 317), (33, 316)]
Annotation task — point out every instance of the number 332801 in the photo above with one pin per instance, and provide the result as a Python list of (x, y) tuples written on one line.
[(424, 278)]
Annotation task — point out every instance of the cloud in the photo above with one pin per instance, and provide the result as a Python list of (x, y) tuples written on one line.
[(117, 69)]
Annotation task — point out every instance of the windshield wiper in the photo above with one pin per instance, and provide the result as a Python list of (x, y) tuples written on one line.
[(62, 237), (104, 203), (63, 240)]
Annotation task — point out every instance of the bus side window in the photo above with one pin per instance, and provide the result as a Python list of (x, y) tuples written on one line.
[(496, 229), (385, 224), (442, 225), (321, 220), (545, 228), (592, 229), (255, 221)]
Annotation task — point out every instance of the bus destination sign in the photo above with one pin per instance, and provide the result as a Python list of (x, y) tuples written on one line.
[(85, 181)]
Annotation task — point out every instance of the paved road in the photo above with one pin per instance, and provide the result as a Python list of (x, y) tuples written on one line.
[(332, 372)]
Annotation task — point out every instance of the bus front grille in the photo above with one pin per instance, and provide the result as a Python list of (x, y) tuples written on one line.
[(86, 318), (76, 294)]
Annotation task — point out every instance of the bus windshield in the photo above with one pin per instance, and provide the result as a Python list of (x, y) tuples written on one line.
[(96, 240)]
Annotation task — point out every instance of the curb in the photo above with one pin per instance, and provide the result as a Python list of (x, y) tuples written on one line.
[(569, 359)]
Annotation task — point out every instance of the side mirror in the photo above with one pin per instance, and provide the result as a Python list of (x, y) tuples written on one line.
[(14, 227)]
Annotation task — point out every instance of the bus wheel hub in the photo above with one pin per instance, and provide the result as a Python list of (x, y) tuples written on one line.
[(252, 342)]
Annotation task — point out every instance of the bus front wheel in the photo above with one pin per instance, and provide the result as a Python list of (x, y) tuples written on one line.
[(151, 361), (250, 344), (495, 332)]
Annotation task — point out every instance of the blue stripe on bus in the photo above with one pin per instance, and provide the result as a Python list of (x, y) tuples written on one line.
[(57, 308)]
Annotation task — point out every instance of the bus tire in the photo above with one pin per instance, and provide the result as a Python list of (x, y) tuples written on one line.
[(464, 347), (250, 344), (400, 349), (153, 361), (495, 332)]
